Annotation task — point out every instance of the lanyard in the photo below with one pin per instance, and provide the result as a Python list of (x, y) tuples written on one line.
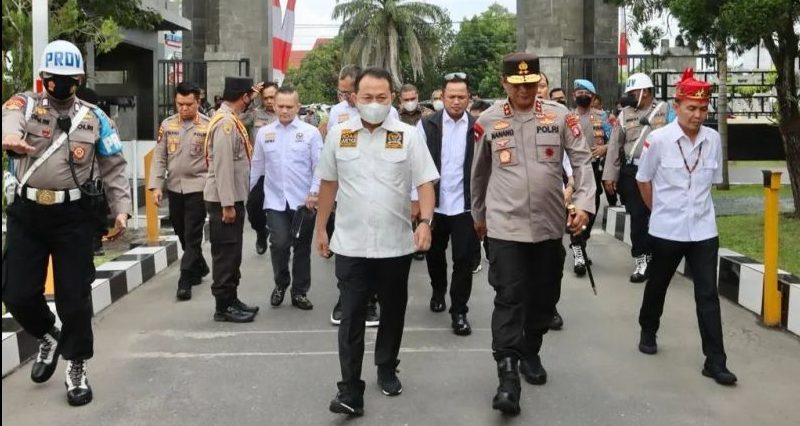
[(696, 161)]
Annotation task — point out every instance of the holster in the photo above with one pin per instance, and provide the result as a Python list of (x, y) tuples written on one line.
[(94, 202)]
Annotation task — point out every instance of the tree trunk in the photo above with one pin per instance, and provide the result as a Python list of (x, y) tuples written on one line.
[(722, 109), (789, 116)]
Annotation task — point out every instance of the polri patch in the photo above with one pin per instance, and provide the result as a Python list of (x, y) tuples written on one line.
[(394, 140)]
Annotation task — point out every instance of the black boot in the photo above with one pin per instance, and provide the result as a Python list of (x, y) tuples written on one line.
[(227, 312), (532, 370), (47, 357), (349, 400), (78, 390), (647, 342), (507, 397)]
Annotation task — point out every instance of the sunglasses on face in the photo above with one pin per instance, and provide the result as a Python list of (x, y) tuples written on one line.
[(455, 75)]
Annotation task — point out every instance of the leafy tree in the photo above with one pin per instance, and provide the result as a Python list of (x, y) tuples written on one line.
[(316, 78), (479, 47), (91, 21), (387, 33)]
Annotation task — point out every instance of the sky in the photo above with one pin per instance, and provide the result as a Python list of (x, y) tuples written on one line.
[(313, 17)]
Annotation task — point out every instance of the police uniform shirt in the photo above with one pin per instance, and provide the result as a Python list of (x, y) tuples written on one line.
[(451, 183), (343, 112), (261, 119), (593, 125), (94, 138), (626, 132), (228, 164), (286, 155), (682, 205), (374, 172), (179, 152), (517, 184)]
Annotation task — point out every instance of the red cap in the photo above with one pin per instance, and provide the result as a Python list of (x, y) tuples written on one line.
[(691, 89)]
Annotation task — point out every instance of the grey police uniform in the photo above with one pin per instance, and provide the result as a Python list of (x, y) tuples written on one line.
[(179, 155), (50, 216)]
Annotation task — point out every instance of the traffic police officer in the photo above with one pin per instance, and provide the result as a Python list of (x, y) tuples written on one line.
[(679, 163), (54, 140), (597, 130), (228, 154), (640, 115), (518, 201), (179, 153)]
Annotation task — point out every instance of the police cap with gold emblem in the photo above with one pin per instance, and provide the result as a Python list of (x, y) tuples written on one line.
[(521, 67), (236, 86)]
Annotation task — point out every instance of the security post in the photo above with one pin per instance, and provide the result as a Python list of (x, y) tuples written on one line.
[(772, 297)]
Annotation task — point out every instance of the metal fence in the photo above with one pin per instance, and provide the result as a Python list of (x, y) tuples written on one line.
[(173, 71)]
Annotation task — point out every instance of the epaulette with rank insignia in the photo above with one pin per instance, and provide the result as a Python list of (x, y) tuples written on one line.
[(507, 110)]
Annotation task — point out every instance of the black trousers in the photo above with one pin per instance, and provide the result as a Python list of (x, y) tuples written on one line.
[(65, 232), (460, 230), (598, 181), (282, 243), (525, 278), (701, 257), (187, 212), (360, 278), (255, 209), (628, 190), (226, 252)]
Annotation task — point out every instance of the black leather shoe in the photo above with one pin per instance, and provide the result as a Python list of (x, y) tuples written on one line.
[(261, 243), (438, 305), (720, 374), (351, 405), (47, 358), (204, 271), (184, 293), (387, 379), (78, 390), (460, 325), (532, 371), (233, 314), (302, 302), (277, 296), (507, 397), (419, 255), (238, 304), (373, 314), (647, 343), (336, 313), (557, 323)]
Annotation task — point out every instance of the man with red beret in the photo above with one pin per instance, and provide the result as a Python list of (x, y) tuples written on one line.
[(679, 163)]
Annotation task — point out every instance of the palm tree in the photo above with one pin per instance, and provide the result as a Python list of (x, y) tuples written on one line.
[(384, 33)]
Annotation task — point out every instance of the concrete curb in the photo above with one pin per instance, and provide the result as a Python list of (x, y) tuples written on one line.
[(113, 280), (739, 278)]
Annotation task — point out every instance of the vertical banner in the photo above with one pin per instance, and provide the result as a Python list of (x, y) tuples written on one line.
[(283, 33), (623, 40)]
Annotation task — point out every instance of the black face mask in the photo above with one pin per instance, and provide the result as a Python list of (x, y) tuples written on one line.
[(628, 101), (562, 101), (583, 101), (63, 86)]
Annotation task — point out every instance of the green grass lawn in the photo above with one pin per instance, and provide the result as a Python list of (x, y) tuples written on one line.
[(738, 191), (745, 234)]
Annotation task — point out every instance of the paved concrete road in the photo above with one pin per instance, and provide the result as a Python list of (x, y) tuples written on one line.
[(162, 362)]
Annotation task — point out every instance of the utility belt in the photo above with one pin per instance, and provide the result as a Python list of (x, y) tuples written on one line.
[(47, 197)]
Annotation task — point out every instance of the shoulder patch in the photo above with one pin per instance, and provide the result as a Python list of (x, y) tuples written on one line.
[(15, 103), (478, 131), (160, 134), (574, 124)]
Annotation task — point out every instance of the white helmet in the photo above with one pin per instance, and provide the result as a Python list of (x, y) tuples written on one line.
[(638, 81), (61, 58)]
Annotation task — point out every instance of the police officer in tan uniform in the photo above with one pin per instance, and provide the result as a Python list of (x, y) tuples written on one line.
[(641, 115), (59, 145), (179, 153), (228, 153), (518, 203), (260, 117)]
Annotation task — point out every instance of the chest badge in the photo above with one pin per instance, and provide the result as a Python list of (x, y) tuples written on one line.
[(78, 153), (505, 156), (394, 140), (348, 139)]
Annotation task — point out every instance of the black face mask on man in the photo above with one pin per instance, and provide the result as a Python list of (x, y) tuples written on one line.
[(628, 101), (583, 101), (60, 86)]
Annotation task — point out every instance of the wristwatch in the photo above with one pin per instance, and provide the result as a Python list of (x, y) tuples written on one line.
[(427, 221)]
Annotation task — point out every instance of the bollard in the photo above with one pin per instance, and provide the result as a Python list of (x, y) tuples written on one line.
[(771, 315), (150, 206)]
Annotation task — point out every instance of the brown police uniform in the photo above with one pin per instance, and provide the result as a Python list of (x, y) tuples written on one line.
[(228, 154), (592, 128), (50, 216), (622, 160), (179, 153), (413, 117), (517, 191)]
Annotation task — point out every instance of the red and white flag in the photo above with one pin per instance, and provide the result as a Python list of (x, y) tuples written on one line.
[(283, 33)]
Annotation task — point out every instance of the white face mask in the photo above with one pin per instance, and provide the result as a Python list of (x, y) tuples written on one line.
[(373, 113), (410, 106), (438, 105)]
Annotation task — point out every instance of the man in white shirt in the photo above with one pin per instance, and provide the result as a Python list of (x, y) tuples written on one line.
[(370, 162), (286, 155), (679, 163), (450, 138)]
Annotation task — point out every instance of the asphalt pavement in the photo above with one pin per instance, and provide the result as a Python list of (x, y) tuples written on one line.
[(162, 362)]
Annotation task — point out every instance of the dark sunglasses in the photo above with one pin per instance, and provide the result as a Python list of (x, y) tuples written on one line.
[(455, 75)]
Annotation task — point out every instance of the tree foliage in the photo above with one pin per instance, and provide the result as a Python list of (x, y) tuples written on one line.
[(316, 78), (87, 21), (479, 47), (389, 33)]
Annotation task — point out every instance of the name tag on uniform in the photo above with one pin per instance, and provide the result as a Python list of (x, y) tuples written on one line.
[(343, 117), (547, 128), (269, 137), (348, 139), (85, 126), (505, 133), (394, 140)]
